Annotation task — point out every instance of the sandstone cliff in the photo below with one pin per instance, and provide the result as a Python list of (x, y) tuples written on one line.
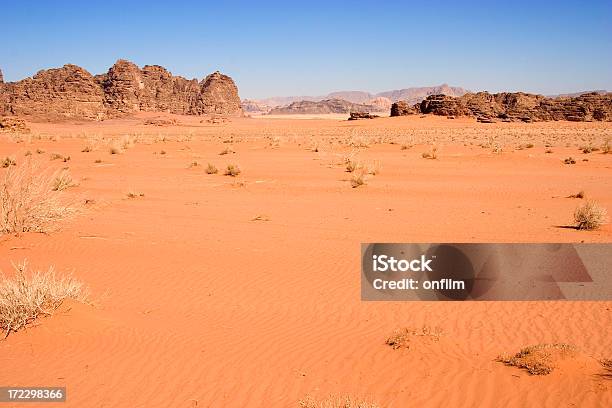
[(72, 92), (511, 107)]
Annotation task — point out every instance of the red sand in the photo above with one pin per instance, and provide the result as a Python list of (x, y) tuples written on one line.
[(197, 304)]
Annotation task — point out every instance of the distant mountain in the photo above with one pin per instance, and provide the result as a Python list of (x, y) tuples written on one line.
[(412, 95), (322, 107), (575, 94)]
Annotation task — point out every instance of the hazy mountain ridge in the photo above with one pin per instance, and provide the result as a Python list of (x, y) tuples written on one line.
[(412, 95)]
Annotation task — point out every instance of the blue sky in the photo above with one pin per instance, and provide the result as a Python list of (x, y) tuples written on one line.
[(312, 47)]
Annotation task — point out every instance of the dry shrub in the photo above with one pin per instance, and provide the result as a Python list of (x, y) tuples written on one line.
[(24, 298), (357, 179), (62, 181), (569, 160), (402, 338), (29, 201), (8, 162), (589, 216), (211, 169), (539, 359), (352, 165), (336, 402), (232, 170)]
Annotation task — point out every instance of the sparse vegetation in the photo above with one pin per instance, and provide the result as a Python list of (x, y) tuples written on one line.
[(336, 402), (579, 194), (589, 216), (232, 170), (432, 154), (539, 359), (134, 194), (403, 337), (25, 298), (63, 181), (569, 160), (357, 179), (8, 161), (28, 201), (211, 169), (226, 151)]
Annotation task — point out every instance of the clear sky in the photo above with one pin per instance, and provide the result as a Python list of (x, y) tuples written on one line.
[(312, 47)]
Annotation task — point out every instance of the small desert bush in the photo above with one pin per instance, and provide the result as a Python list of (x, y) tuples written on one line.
[(63, 181), (352, 165), (605, 148), (57, 156), (539, 359), (336, 402), (226, 151), (29, 202), (569, 160), (232, 170), (134, 194), (7, 162), (432, 154), (357, 179), (211, 169), (589, 216), (194, 164), (402, 338), (27, 296), (579, 194)]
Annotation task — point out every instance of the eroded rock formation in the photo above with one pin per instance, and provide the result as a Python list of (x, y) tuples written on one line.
[(512, 107), (72, 92)]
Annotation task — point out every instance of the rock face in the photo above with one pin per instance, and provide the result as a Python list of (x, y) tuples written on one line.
[(69, 92), (8, 124), (1, 77), (72, 92), (403, 108), (322, 107), (362, 115), (512, 107)]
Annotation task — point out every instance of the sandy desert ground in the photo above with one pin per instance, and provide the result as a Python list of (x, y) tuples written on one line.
[(218, 291)]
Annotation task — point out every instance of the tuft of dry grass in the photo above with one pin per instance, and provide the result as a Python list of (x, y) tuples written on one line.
[(539, 359), (352, 165), (432, 154), (336, 402), (28, 296), (211, 169), (357, 179), (134, 194), (580, 194), (226, 151), (29, 202), (232, 170), (63, 181), (569, 160), (402, 338), (8, 162), (589, 216)]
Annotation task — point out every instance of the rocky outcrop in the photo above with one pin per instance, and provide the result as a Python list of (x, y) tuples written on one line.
[(322, 107), (69, 92), (1, 77), (512, 107), (403, 108), (8, 124), (218, 95), (362, 115), (72, 92)]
